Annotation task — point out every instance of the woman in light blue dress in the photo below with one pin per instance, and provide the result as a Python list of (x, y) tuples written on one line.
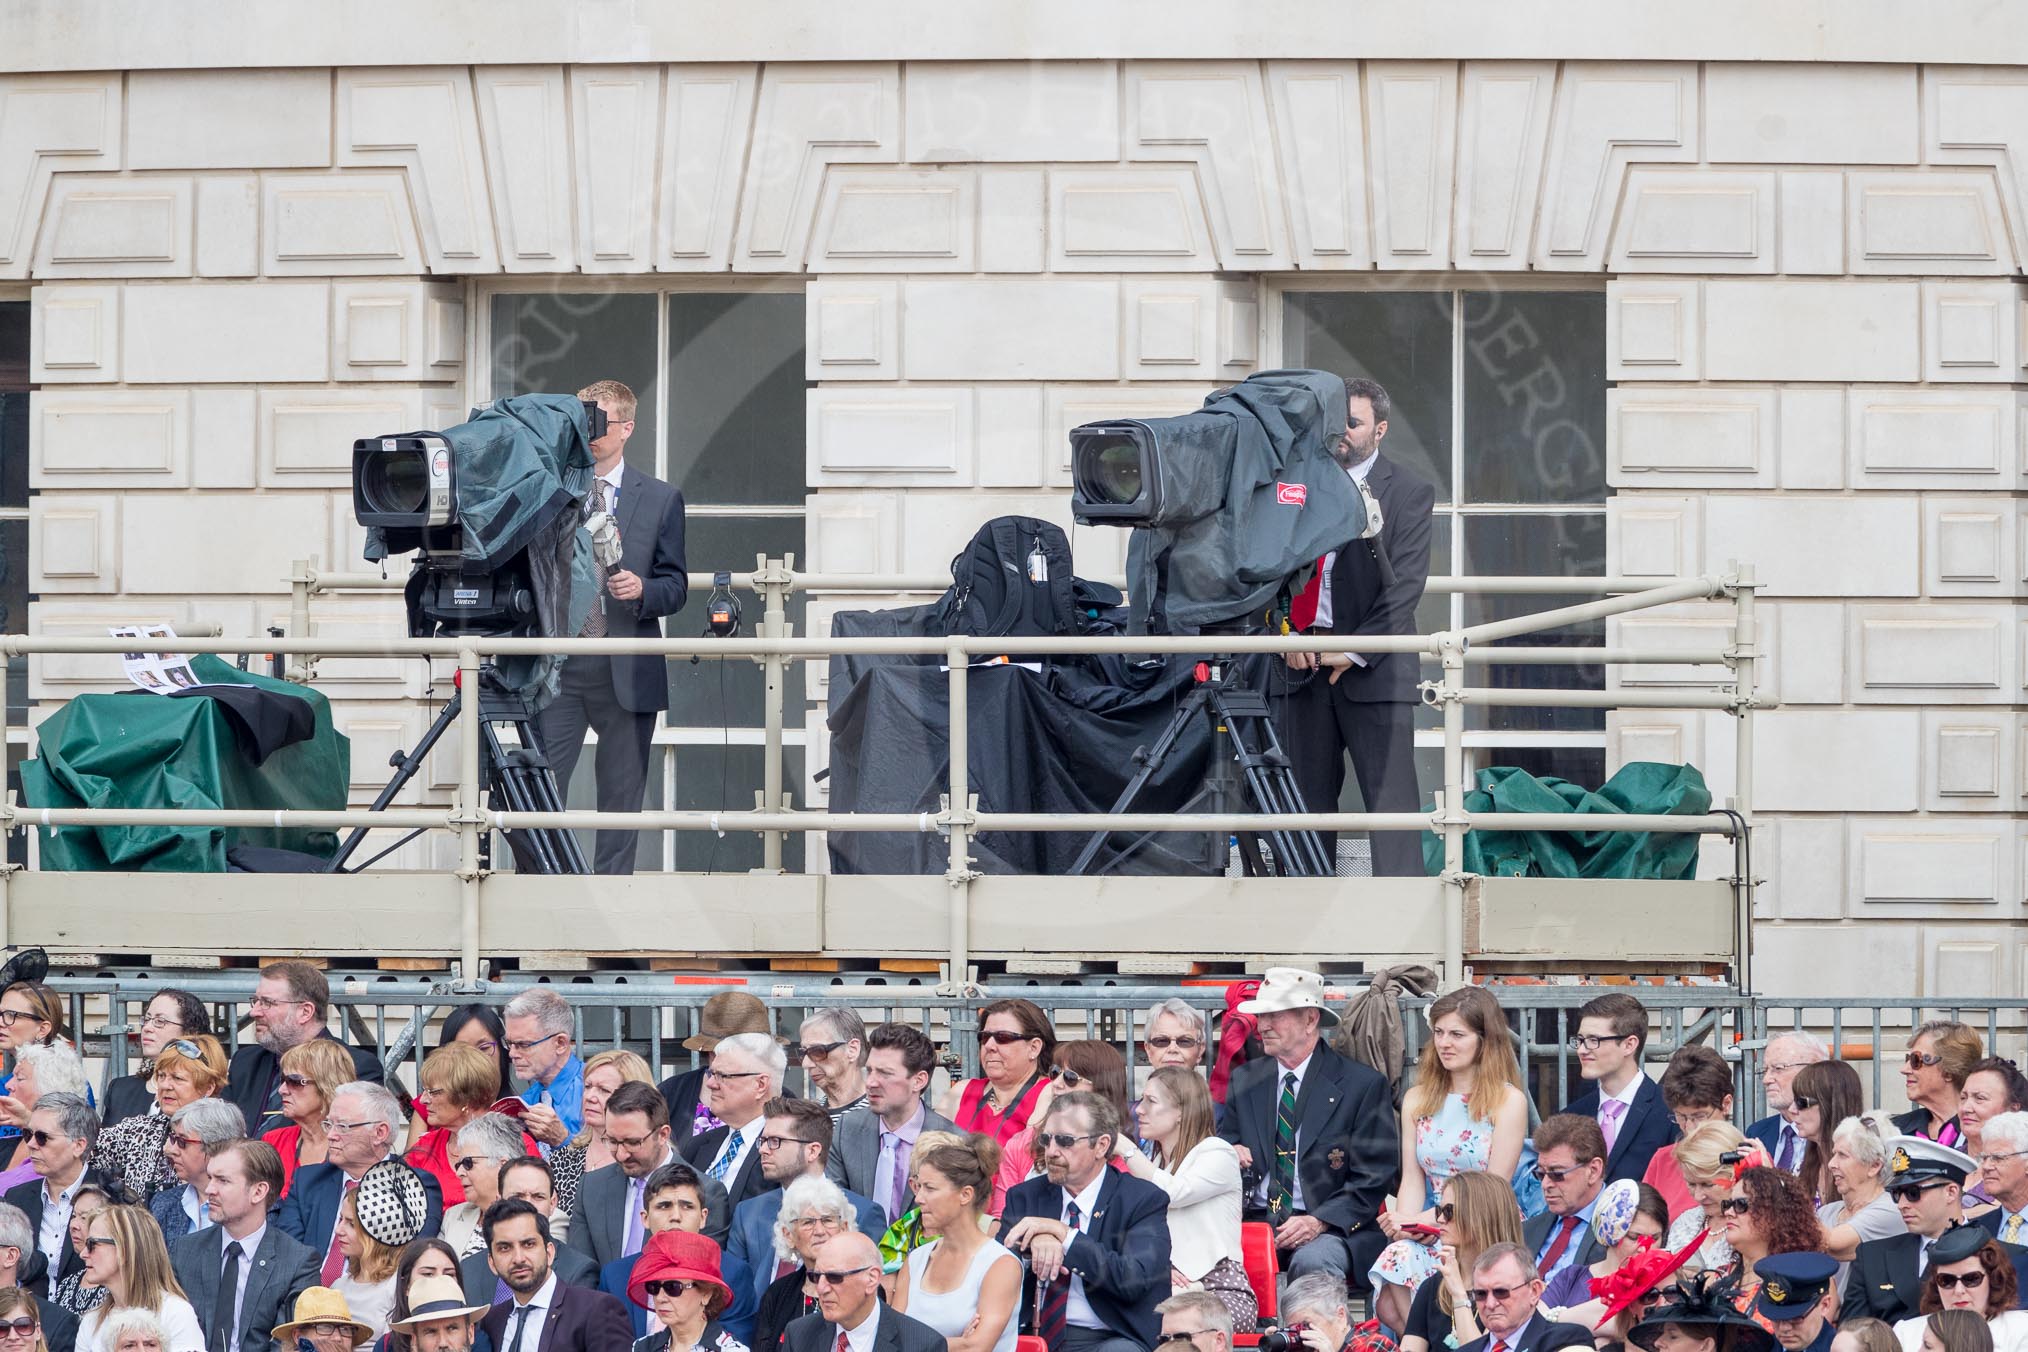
[(1465, 1111)]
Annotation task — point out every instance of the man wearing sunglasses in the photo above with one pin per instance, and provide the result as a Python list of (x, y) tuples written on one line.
[(849, 1308), (795, 1143), (1096, 1239), (291, 1005), (17, 1251), (62, 1131), (1570, 1165), (1925, 1180), (873, 1145), (1505, 1292)]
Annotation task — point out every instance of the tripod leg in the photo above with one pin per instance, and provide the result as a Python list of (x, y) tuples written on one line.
[(1151, 764), (405, 770)]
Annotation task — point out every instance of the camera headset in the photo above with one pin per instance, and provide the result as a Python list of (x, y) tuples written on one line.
[(721, 610)]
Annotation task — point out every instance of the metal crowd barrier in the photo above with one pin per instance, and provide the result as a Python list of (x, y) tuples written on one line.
[(959, 820), (651, 1016)]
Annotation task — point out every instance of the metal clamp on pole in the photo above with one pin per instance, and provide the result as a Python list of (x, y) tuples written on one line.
[(302, 668)]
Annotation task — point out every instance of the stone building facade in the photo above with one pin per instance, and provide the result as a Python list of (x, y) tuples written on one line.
[(1807, 276)]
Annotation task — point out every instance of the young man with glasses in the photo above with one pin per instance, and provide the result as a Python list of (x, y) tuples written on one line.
[(61, 1134), (365, 1123), (290, 1005), (1506, 1292), (850, 1314), (1096, 1240), (1786, 1053), (544, 1055), (746, 1071), (605, 1218), (1570, 1165), (795, 1143), (873, 1144), (1925, 1180), (1612, 1032)]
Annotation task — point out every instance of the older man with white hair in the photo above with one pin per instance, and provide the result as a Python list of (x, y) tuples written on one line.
[(364, 1127), (746, 1071), (2003, 1168), (1786, 1054), (543, 1052)]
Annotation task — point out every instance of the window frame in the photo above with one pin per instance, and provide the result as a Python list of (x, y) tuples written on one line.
[(1275, 290)]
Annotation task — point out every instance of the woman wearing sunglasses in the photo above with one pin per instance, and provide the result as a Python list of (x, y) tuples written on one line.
[(459, 1083), (1822, 1096), (1940, 1056), (126, 1258), (677, 1277), (1016, 1043), (1766, 1212), (1701, 1156), (169, 1013), (70, 1291), (1968, 1270), (1476, 1212), (1201, 1174), (311, 1074), (129, 1155), (1095, 1067), (20, 1321)]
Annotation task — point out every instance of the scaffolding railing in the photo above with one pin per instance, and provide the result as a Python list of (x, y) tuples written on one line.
[(958, 820)]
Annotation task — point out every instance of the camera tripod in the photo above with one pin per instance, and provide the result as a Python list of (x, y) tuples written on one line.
[(1248, 771), (517, 780)]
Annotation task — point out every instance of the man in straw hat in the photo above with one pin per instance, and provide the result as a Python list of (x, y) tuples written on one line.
[(1316, 1133), (324, 1320), (726, 1014), (439, 1319)]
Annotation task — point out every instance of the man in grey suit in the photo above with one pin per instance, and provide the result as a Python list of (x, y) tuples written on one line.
[(620, 696), (606, 1219), (870, 1154), (241, 1274)]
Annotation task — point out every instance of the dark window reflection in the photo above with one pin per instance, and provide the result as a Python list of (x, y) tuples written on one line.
[(1535, 546), (1402, 340), (558, 344), (736, 397), (1535, 397)]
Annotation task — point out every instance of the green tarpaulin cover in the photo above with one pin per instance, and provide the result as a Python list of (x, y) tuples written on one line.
[(150, 751), (1640, 786)]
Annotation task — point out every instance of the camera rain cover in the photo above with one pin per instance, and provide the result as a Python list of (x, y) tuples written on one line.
[(1258, 458)]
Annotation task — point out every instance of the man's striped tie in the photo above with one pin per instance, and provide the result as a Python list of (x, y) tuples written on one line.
[(1054, 1320), (1282, 1175)]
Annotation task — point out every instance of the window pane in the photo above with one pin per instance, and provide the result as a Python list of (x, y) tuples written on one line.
[(1535, 546), (558, 344), (736, 397), (729, 694), (14, 404), (582, 795), (728, 777), (1402, 340), (1579, 764), (14, 612), (1535, 397)]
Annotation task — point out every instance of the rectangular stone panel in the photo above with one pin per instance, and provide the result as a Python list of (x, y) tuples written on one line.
[(900, 220), (1812, 229), (1808, 879), (1971, 331), (109, 439), (397, 331), (222, 437), (852, 533), (615, 116), (1831, 960), (306, 435), (854, 329), (1011, 213), (1970, 546), (1696, 220), (1934, 438), (1010, 436), (525, 122), (74, 542), (1690, 436), (1321, 146), (1837, 761), (228, 226), (1933, 654), (227, 331), (1912, 867), (1811, 647), (320, 225), (1012, 111), (1969, 760), (904, 435), (1811, 330), (1820, 546), (1503, 137), (74, 334), (1010, 330), (228, 119), (1117, 220), (1654, 330), (1812, 438), (1929, 221), (1792, 113), (135, 227), (1649, 535), (1411, 119), (163, 540)]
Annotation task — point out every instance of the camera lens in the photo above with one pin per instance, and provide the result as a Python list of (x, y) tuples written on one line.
[(396, 481), (1109, 470)]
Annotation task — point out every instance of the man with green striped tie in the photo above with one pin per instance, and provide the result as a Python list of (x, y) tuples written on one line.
[(1315, 1131)]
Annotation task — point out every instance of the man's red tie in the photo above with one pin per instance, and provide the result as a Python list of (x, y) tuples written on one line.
[(841, 1341), (1052, 1320), (1303, 606), (1564, 1231), (1499, 1345), (334, 1257)]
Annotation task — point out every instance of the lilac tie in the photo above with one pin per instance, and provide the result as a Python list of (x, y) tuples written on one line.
[(1609, 1114), (1787, 1158), (633, 1242), (897, 1178)]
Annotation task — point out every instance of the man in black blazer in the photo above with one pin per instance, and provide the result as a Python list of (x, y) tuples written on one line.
[(68, 1130), (242, 1183), (544, 1313), (620, 696), (365, 1123), (1319, 1175), (1570, 1165), (848, 1295), (21, 1265), (1364, 703), (290, 1005), (1506, 1292), (1096, 1240), (1612, 1033), (746, 1071), (1926, 1181)]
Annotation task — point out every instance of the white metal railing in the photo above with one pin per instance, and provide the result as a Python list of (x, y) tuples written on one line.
[(959, 820)]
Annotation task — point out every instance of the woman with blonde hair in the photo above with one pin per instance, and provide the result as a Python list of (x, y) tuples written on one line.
[(368, 1280), (126, 1258), (1478, 1210), (1466, 1111), (16, 1304), (311, 1074), (129, 1153), (1201, 1174), (1710, 1181), (586, 1151), (458, 1083)]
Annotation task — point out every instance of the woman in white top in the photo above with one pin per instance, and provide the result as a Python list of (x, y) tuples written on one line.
[(1968, 1270), (126, 1258), (1200, 1172), (962, 1284)]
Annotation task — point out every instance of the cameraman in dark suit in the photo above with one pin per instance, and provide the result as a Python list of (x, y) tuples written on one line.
[(1332, 703), (620, 696)]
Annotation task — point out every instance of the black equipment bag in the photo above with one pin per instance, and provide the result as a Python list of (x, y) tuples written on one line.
[(991, 592)]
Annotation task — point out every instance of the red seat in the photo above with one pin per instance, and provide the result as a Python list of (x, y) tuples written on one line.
[(1257, 1255), (1028, 1342)]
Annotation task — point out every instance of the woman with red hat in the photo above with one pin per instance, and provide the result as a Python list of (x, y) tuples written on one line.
[(676, 1279)]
